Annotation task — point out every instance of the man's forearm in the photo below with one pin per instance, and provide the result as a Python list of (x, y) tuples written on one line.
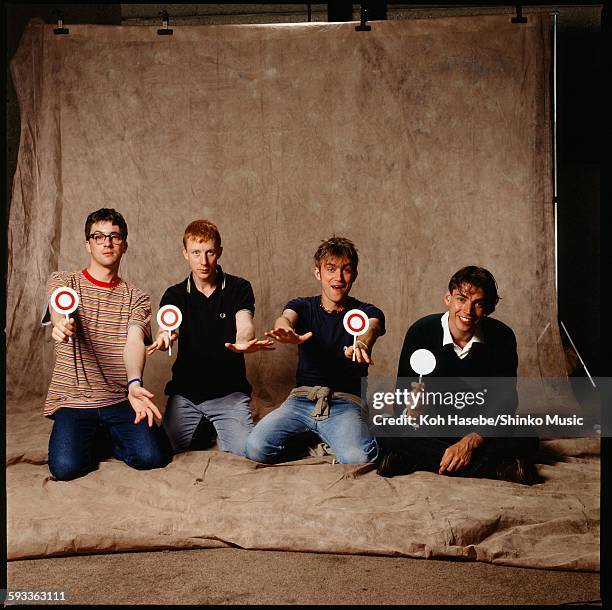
[(473, 440), (134, 356), (245, 331), (372, 335), (283, 322)]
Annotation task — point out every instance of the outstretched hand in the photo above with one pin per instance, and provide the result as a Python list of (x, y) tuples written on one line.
[(254, 345), (140, 399), (361, 354), (162, 343), (285, 335)]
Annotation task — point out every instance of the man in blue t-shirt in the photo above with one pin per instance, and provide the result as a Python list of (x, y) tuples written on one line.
[(326, 399)]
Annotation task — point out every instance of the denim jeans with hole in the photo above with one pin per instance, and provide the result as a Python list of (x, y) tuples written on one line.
[(345, 431)]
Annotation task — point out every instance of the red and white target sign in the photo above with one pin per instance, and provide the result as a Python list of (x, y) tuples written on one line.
[(64, 300), (356, 322), (169, 317)]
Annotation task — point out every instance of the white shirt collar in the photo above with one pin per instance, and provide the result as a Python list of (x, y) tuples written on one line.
[(447, 338)]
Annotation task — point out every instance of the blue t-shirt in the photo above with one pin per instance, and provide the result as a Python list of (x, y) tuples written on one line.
[(321, 358)]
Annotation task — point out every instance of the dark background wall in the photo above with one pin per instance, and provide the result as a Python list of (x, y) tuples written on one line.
[(580, 154), (579, 123)]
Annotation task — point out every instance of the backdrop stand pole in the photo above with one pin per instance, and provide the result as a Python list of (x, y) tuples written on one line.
[(554, 151)]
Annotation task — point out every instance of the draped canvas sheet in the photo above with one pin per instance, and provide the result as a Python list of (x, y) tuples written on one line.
[(208, 499), (424, 141)]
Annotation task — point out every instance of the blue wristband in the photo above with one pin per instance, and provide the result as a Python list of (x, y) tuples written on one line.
[(132, 381)]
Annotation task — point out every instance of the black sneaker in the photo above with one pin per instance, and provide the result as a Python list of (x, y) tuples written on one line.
[(392, 464), (518, 470)]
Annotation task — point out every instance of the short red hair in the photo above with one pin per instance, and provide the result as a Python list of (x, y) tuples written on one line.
[(202, 230)]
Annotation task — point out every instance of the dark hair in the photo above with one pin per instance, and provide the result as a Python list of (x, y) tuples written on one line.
[(202, 230), (339, 247), (479, 278), (106, 214)]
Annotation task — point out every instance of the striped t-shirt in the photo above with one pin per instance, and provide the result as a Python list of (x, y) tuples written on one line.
[(89, 371)]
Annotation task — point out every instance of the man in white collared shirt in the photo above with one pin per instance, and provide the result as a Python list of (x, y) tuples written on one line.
[(466, 344), (447, 338)]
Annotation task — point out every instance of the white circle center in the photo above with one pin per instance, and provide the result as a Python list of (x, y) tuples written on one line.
[(423, 361), (65, 301), (169, 318)]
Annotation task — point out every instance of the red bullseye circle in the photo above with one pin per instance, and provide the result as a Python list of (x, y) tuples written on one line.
[(356, 322), (64, 300), (60, 300), (361, 323), (169, 317)]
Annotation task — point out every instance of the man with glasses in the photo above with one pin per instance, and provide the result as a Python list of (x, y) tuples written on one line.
[(97, 392)]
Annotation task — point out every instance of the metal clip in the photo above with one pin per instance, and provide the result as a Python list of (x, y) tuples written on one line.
[(60, 29), (363, 14), (519, 15), (164, 31)]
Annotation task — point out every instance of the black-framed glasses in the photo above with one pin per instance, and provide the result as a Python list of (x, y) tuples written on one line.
[(100, 238)]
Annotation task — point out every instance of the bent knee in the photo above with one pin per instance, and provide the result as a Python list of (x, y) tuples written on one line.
[(149, 460), (260, 452), (356, 455), (65, 469), (240, 452), (177, 442)]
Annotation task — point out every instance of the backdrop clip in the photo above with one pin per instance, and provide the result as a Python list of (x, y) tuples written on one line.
[(60, 29), (164, 31), (363, 14), (519, 15)]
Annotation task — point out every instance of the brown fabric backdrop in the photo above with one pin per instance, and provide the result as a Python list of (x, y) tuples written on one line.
[(426, 142)]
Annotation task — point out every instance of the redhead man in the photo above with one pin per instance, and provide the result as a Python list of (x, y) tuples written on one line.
[(209, 386)]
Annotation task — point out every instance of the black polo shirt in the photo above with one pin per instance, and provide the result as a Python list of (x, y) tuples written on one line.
[(204, 367)]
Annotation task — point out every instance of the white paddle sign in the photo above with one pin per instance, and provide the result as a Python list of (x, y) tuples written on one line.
[(356, 323), (169, 318), (422, 362), (64, 301)]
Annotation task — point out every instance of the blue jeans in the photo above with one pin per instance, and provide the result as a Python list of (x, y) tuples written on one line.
[(230, 415), (345, 431), (72, 446)]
